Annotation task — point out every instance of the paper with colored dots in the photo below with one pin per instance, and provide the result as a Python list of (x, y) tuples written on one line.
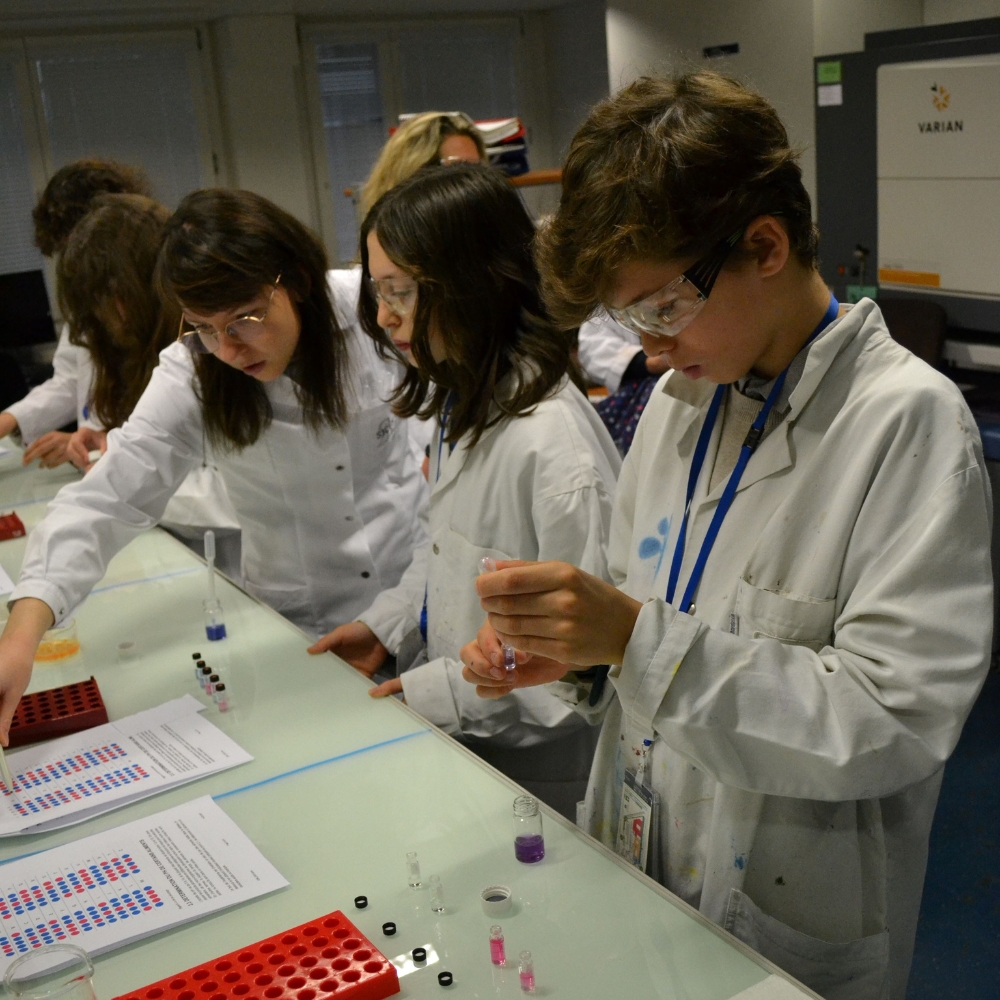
[(115, 887), (75, 777)]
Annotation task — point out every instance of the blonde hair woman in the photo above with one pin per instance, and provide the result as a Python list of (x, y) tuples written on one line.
[(431, 137)]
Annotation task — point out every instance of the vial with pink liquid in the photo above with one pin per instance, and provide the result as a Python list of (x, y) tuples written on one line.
[(497, 954), (526, 972)]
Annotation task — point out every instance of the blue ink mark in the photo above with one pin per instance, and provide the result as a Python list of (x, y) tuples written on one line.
[(651, 546), (739, 862)]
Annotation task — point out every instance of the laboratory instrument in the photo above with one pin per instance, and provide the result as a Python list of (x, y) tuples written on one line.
[(489, 565), (215, 625)]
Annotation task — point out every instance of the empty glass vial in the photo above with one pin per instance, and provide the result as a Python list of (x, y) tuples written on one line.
[(437, 894), (529, 846), (413, 867), (497, 954), (526, 972)]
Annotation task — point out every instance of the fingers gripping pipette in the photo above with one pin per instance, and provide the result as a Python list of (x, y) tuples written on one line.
[(489, 565), (215, 626)]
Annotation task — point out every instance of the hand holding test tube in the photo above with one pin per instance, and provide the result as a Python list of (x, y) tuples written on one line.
[(489, 565)]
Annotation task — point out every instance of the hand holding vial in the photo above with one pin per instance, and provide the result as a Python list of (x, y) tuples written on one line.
[(489, 565)]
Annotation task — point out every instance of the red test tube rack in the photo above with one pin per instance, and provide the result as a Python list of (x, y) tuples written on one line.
[(11, 526), (325, 958), (59, 711)]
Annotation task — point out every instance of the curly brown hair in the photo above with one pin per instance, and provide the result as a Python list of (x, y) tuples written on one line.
[(67, 197), (666, 170), (106, 293)]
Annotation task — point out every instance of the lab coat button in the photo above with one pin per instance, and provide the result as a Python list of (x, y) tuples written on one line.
[(340, 468), (350, 517), (437, 551), (365, 574)]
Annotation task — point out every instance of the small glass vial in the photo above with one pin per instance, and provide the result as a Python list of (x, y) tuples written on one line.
[(437, 894), (529, 845), (498, 956), (210, 684), (197, 671), (203, 677), (215, 625), (413, 867), (220, 697), (526, 972)]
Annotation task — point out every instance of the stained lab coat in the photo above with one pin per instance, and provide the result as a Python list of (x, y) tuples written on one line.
[(605, 349), (540, 486), (200, 501), (329, 518), (805, 710)]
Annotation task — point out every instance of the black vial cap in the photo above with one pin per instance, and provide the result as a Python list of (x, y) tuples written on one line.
[(360, 902), (214, 678), (207, 671), (220, 686), (388, 928), (419, 954), (196, 656), (445, 978)]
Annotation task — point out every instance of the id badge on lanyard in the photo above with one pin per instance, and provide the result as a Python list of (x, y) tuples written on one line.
[(639, 813)]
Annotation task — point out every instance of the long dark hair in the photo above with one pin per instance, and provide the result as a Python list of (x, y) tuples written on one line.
[(221, 249), (105, 279), (463, 234)]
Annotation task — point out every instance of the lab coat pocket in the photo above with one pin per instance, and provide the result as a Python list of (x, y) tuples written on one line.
[(849, 970), (798, 621)]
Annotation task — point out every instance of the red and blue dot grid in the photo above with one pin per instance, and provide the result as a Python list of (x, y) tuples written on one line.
[(92, 915), (96, 785), (58, 769)]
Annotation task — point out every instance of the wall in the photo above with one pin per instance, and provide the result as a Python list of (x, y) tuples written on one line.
[(776, 51), (840, 25), (948, 11), (259, 81), (576, 61)]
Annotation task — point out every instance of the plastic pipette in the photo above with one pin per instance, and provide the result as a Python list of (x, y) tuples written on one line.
[(8, 778), (215, 626), (489, 565)]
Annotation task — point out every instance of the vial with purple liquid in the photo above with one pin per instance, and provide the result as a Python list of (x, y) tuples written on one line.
[(529, 845)]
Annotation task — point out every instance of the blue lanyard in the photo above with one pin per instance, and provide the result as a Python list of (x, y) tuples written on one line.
[(750, 443), (437, 476)]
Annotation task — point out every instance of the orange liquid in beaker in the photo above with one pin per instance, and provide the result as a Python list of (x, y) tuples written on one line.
[(57, 649)]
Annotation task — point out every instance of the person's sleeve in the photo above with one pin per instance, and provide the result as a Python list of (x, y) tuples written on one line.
[(880, 709), (571, 526), (123, 495), (52, 404), (395, 613), (606, 350)]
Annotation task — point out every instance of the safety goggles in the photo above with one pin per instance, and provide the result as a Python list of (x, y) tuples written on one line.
[(398, 296), (205, 339), (673, 307)]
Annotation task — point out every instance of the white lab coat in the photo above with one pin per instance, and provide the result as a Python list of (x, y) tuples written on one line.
[(200, 501), (605, 349), (61, 399), (329, 519), (540, 486), (805, 711)]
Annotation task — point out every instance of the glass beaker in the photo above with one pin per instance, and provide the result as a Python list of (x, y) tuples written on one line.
[(54, 970), (58, 643)]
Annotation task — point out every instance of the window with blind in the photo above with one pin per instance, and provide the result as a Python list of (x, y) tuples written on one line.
[(132, 100), (17, 247), (366, 78)]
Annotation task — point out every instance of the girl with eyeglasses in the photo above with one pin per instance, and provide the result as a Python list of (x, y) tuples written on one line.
[(521, 466), (274, 381), (803, 599)]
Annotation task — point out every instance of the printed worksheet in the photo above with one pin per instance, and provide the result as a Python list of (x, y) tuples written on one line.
[(115, 887), (71, 779)]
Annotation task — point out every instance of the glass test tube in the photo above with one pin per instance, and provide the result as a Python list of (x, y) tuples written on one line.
[(529, 845), (498, 955), (489, 565), (437, 894), (413, 868), (526, 972)]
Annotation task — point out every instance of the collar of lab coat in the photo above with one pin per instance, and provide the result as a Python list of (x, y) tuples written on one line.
[(774, 453)]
